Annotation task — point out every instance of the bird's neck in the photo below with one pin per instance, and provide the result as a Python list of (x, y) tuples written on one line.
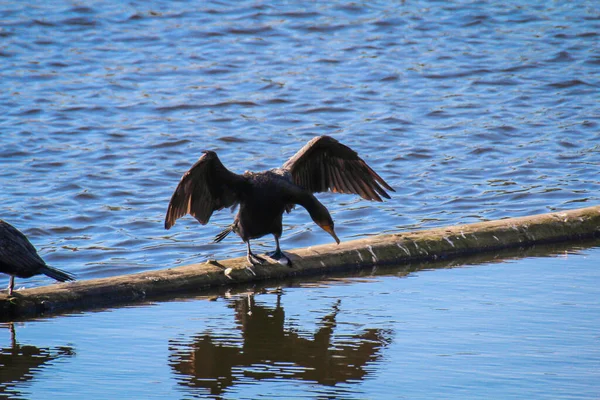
[(316, 210)]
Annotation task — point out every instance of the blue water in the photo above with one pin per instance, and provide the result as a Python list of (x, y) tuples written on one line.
[(512, 328), (471, 111)]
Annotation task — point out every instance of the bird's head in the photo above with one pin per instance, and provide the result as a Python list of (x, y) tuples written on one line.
[(327, 226), (320, 215)]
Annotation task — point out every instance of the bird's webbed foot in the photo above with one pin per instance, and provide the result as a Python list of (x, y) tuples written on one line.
[(254, 259), (280, 257)]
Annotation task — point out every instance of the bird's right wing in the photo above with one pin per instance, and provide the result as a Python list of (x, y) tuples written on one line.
[(207, 187)]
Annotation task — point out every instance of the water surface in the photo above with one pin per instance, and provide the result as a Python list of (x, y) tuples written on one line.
[(507, 328), (471, 111)]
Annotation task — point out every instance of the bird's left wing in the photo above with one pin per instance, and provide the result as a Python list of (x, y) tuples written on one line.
[(325, 164)]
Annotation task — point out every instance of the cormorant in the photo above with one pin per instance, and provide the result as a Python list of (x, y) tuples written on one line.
[(19, 258), (322, 164)]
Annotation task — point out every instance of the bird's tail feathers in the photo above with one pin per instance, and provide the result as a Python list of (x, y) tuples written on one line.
[(57, 274), (223, 234)]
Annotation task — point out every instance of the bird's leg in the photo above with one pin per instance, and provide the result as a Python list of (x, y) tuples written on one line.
[(253, 258), (278, 254), (11, 285)]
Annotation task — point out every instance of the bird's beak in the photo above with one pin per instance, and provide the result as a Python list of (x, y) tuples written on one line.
[(329, 229)]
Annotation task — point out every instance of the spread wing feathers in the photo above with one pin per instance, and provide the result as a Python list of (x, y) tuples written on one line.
[(326, 164), (207, 187)]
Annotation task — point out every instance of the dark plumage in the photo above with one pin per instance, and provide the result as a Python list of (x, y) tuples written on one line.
[(322, 164), (19, 258)]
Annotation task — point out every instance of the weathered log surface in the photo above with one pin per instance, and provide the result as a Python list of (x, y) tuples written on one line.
[(433, 244)]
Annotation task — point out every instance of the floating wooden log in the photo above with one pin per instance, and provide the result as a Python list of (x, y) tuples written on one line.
[(391, 249)]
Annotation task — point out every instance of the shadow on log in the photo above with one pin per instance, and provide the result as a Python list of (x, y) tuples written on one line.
[(411, 248)]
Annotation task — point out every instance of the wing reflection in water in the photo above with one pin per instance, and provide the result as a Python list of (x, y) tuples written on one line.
[(270, 350), (19, 363)]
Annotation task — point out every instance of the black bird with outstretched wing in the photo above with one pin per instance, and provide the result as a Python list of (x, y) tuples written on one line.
[(323, 164)]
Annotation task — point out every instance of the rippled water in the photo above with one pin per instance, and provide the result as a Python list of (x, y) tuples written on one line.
[(513, 328), (472, 111)]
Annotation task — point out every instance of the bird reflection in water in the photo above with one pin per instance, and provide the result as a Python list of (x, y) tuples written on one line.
[(272, 351), (20, 363)]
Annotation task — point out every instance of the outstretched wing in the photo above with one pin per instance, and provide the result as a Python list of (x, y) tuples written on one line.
[(207, 187), (325, 164)]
